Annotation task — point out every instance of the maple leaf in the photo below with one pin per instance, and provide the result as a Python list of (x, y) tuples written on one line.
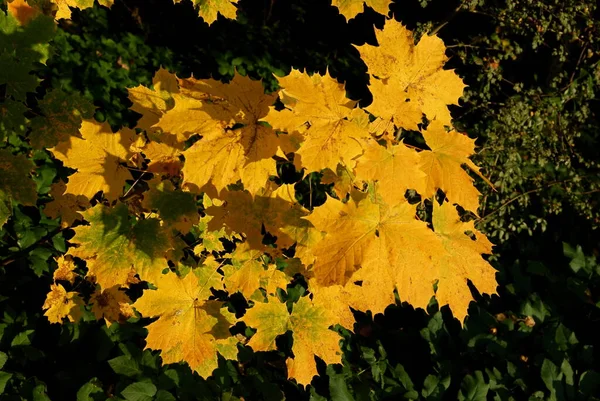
[(310, 330), (153, 103), (342, 180), (212, 164), (462, 260), (372, 249), (16, 183), (442, 165), (60, 304), (163, 158), (189, 327), (242, 214), (65, 206), (247, 273), (244, 151), (65, 272), (176, 208), (407, 80), (98, 158), (22, 11), (111, 304), (113, 245), (64, 10), (351, 8), (209, 9), (394, 167), (320, 102), (358, 233)]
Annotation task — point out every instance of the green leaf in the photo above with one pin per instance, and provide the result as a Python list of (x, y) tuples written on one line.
[(23, 338), (337, 386), (4, 378), (589, 383), (163, 395), (474, 388), (125, 365), (3, 359), (91, 391), (140, 391)]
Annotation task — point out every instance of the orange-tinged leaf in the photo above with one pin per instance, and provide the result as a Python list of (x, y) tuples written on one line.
[(351, 8), (408, 80), (395, 168), (114, 244), (190, 328), (60, 304), (22, 11), (164, 158), (112, 305), (320, 102), (98, 158), (442, 165)]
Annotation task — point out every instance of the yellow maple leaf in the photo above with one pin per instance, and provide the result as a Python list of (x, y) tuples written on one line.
[(351, 8), (111, 304), (371, 249), (190, 328), (227, 116), (342, 180), (310, 330), (442, 165), (99, 159), (462, 260), (243, 214), (64, 10), (394, 167), (114, 245), (65, 206), (320, 103), (65, 272), (60, 304), (247, 273), (163, 158), (212, 164), (209, 9), (407, 80), (360, 232), (153, 103)]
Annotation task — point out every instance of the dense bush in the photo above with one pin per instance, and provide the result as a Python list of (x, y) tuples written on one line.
[(533, 75)]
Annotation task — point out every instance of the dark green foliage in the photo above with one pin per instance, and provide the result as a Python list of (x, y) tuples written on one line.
[(533, 75)]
